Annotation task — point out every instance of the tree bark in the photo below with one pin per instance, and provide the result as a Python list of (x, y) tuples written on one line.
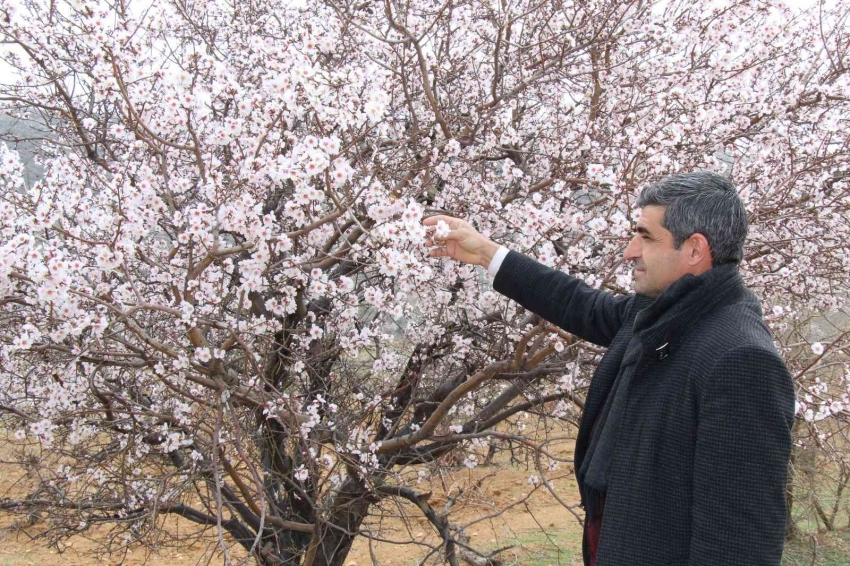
[(350, 508)]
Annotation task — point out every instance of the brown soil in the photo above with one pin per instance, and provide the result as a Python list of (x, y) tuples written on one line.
[(537, 527)]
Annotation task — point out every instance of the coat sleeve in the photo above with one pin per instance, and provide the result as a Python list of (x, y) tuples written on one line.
[(743, 445), (590, 314)]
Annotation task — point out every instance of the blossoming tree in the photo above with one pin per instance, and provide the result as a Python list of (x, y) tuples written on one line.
[(216, 302)]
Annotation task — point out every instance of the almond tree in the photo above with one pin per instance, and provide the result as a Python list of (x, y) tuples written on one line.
[(216, 302)]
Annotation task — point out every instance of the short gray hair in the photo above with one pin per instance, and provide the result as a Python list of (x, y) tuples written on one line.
[(701, 202)]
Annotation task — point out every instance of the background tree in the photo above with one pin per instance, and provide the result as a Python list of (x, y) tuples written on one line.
[(215, 303)]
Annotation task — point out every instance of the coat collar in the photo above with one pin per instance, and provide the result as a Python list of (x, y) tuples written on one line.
[(662, 323)]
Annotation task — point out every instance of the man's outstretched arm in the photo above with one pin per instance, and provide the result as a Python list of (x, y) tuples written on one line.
[(568, 302)]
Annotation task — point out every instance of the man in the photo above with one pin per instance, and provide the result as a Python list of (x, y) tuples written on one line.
[(683, 446)]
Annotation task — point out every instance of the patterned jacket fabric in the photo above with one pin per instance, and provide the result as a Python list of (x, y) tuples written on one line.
[(699, 466)]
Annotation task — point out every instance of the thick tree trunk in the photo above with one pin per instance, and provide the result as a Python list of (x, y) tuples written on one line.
[(791, 530), (350, 508)]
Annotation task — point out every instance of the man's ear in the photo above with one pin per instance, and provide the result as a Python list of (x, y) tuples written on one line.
[(699, 251)]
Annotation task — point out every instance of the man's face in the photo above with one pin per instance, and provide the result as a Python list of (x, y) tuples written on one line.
[(657, 263)]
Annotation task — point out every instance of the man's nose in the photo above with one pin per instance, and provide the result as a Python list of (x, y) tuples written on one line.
[(632, 250)]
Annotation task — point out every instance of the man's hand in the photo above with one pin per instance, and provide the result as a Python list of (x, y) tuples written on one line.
[(462, 242)]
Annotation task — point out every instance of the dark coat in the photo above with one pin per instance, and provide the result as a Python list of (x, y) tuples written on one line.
[(700, 467)]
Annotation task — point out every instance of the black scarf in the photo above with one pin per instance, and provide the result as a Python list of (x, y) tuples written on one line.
[(682, 303)]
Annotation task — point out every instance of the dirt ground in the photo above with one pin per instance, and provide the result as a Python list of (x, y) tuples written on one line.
[(535, 525)]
